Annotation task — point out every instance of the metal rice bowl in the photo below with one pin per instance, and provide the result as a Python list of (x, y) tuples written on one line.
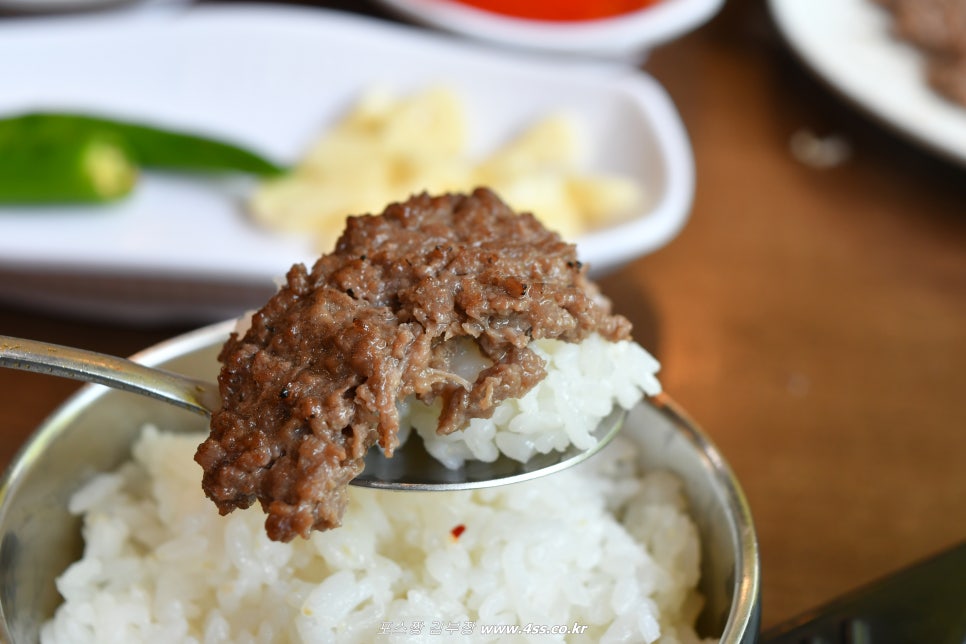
[(93, 432)]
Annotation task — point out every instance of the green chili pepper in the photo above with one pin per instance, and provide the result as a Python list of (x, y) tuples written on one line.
[(91, 168), (45, 157)]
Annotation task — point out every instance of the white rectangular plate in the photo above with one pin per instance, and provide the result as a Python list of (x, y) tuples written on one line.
[(272, 78)]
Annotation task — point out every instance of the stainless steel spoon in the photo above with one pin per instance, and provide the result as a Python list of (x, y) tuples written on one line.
[(410, 468)]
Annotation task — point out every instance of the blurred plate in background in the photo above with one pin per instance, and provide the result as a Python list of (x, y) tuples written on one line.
[(272, 78), (850, 45)]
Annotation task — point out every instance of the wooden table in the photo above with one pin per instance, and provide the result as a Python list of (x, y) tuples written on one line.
[(813, 320)]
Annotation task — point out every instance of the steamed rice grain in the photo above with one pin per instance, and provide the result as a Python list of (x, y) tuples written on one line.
[(600, 545), (584, 382), (600, 549)]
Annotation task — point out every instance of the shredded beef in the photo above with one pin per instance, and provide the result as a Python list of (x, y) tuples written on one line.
[(314, 382)]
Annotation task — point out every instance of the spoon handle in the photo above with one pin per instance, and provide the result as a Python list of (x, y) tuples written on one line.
[(119, 373)]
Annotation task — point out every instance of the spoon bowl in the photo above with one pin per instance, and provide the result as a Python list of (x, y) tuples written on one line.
[(410, 468)]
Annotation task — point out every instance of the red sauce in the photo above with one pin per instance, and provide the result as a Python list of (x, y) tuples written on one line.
[(457, 531), (560, 10)]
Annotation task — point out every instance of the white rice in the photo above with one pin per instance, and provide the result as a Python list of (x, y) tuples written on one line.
[(160, 565), (584, 382), (599, 548)]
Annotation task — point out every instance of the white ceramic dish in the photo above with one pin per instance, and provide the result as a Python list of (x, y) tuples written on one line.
[(631, 35), (271, 78), (40, 7), (849, 44)]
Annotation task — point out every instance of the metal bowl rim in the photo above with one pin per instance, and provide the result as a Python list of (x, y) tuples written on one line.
[(743, 615)]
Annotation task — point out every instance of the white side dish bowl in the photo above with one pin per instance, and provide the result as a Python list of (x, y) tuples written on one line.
[(628, 36), (272, 78)]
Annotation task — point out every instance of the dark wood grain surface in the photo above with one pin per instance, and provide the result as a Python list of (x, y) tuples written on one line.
[(813, 320)]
